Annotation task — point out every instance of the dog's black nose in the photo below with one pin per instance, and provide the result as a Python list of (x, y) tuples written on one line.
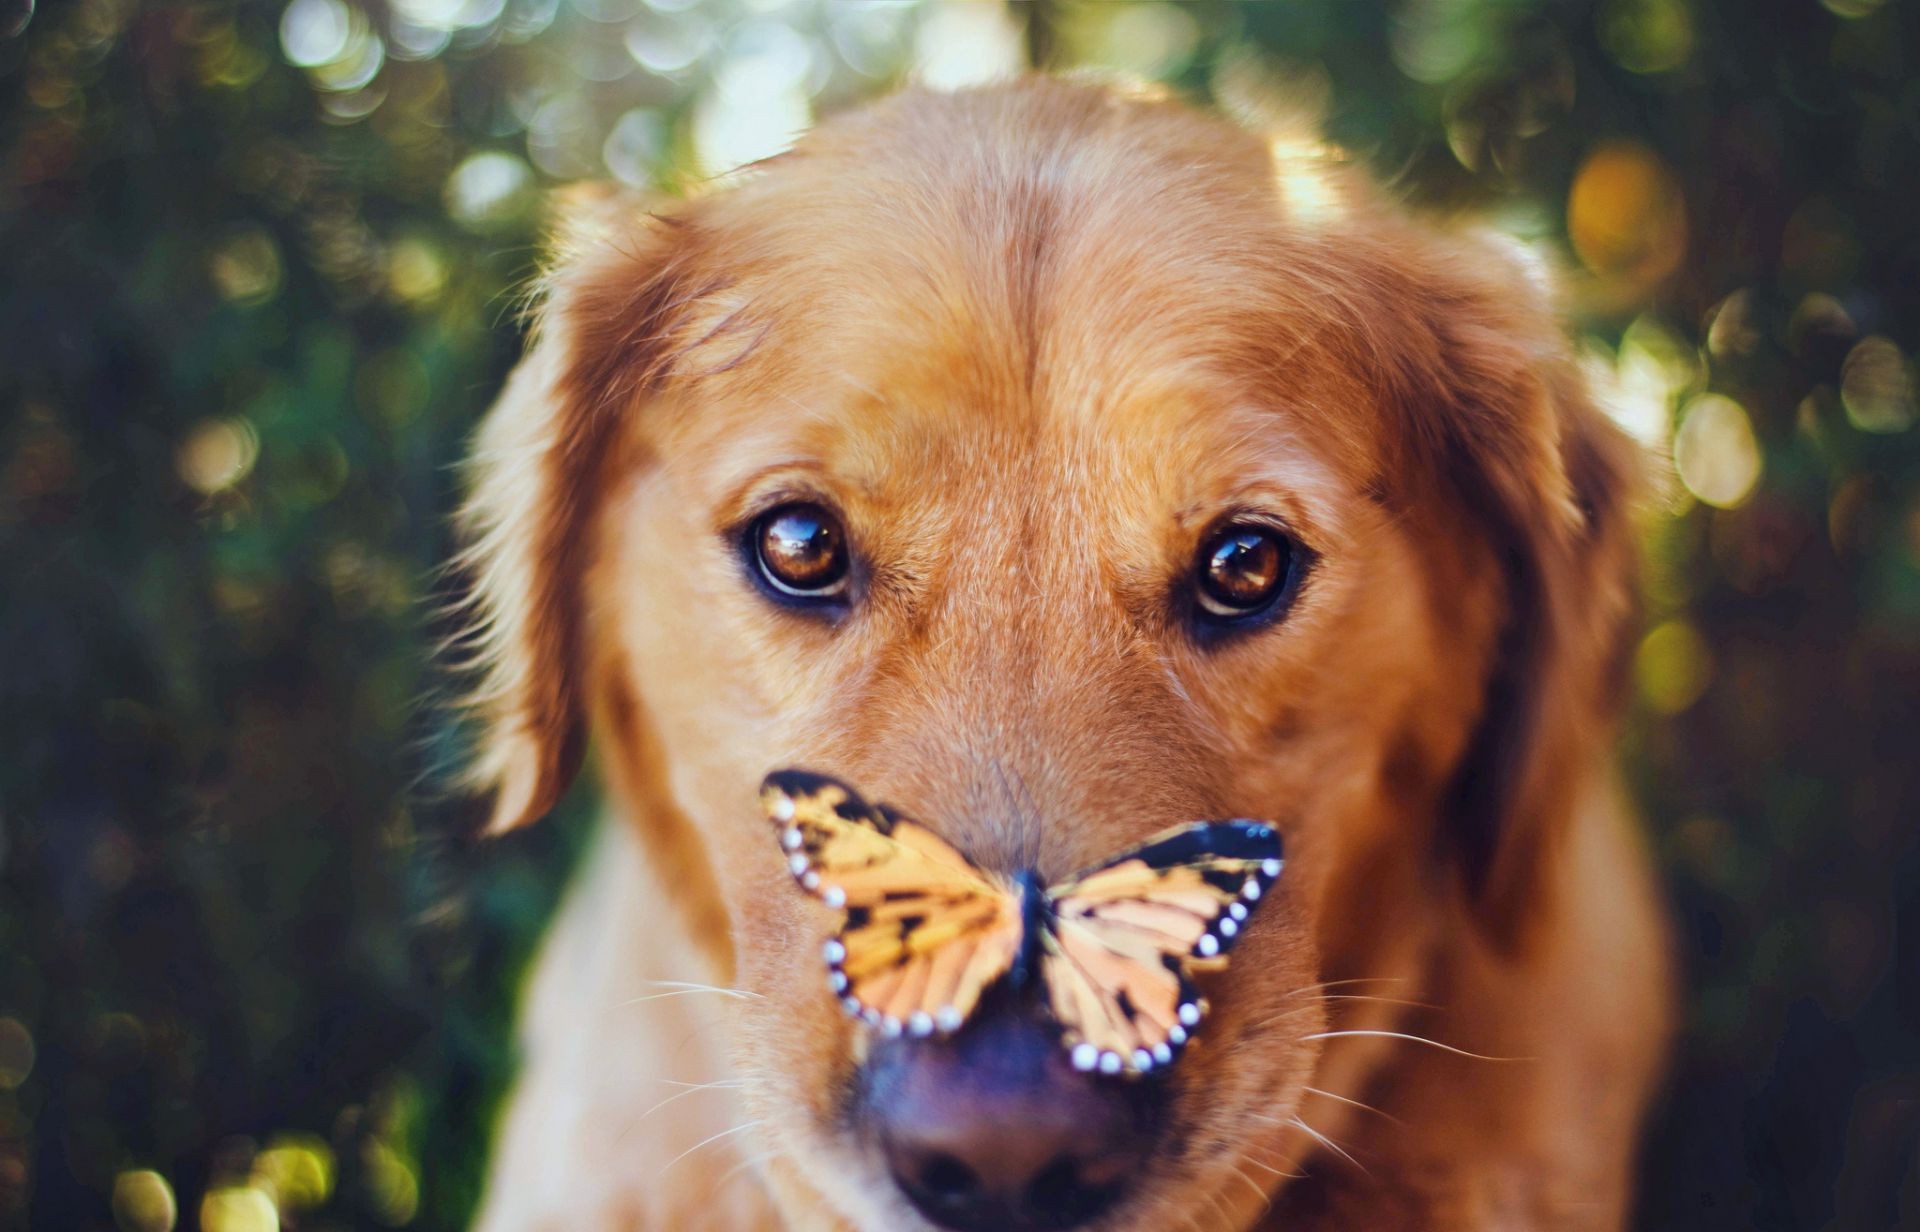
[(994, 1131)]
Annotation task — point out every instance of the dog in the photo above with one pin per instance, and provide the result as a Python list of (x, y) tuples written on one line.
[(1058, 463)]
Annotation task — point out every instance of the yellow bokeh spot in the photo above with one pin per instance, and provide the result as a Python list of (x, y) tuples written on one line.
[(144, 1202), (240, 1208), (1876, 387), (1731, 328), (1647, 36), (1626, 216), (391, 1184), (246, 269), (415, 270), (297, 1169), (1307, 189), (1637, 389), (1673, 667), (1153, 41), (217, 454), (1714, 451)]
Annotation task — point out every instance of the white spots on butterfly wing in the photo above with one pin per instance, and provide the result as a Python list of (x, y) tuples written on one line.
[(1142, 1060), (1110, 1063), (793, 840), (798, 863), (834, 896), (1228, 927), (1163, 1053), (837, 980), (1209, 945), (870, 1016), (783, 808), (1085, 1057), (948, 1019), (834, 951), (810, 880), (1178, 1033), (890, 1027), (1250, 891), (851, 1005), (920, 1024), (1237, 910), (1270, 868), (1189, 1016)]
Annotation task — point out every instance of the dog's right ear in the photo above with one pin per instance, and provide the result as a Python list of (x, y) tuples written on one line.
[(600, 345)]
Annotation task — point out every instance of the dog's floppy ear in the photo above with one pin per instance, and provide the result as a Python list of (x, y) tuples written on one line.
[(1501, 416), (599, 345)]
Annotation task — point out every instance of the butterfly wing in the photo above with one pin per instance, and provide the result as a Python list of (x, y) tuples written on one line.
[(926, 932), (1127, 937)]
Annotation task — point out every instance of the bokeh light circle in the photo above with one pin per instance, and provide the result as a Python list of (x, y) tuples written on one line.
[(143, 1201), (1715, 452)]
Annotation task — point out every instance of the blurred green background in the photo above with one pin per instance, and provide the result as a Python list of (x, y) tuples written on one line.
[(258, 270)]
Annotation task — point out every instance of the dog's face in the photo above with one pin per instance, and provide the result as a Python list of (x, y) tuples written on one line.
[(1054, 469)]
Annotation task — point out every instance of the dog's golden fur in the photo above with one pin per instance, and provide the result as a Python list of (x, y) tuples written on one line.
[(1030, 341)]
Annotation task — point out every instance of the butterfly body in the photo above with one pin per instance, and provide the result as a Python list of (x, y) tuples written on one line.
[(1036, 914), (927, 932)]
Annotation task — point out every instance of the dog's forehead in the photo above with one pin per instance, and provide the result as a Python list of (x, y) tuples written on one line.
[(1093, 310), (908, 413)]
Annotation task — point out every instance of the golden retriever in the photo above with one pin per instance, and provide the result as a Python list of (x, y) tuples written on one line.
[(1058, 464)]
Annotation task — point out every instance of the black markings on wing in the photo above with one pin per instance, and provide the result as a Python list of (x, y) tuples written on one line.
[(1129, 935), (925, 933)]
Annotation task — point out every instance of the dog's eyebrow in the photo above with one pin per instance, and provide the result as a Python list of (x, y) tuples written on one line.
[(1293, 504), (802, 476)]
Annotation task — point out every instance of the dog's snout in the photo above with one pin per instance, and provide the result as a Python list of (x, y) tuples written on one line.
[(994, 1130)]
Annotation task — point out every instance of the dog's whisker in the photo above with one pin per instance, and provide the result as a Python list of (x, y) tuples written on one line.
[(1354, 1103), (1361, 996), (707, 1142), (1414, 1039), (1329, 1143), (1308, 1008), (696, 986), (1259, 1191), (1282, 1016), (686, 988), (690, 1088), (1216, 1206), (1322, 986), (1294, 1122), (1278, 1173), (751, 1161)]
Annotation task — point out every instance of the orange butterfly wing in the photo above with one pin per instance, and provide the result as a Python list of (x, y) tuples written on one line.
[(926, 932), (1127, 937)]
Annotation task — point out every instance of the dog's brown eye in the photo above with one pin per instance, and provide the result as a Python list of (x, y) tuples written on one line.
[(1242, 570), (801, 550)]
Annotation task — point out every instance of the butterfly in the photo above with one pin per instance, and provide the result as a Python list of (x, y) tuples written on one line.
[(927, 932)]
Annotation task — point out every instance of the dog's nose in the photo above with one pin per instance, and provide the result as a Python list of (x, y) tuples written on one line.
[(993, 1131)]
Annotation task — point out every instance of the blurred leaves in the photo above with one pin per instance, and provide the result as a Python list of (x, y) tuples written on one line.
[(258, 270)]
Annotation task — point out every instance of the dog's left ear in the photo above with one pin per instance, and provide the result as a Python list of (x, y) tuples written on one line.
[(601, 344), (1500, 415)]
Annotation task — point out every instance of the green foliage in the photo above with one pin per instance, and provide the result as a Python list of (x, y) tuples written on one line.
[(259, 267)]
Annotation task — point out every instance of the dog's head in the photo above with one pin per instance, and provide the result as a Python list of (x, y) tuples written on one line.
[(1056, 467)]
